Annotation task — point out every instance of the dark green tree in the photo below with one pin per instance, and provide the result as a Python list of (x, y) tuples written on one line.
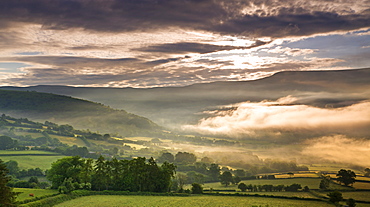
[(346, 177), (214, 171), (351, 202), (185, 158), (226, 178), (236, 180), (33, 179), (325, 182), (101, 174), (243, 187), (335, 196), (7, 196), (12, 167), (67, 167), (196, 188), (293, 187), (166, 157), (7, 143)]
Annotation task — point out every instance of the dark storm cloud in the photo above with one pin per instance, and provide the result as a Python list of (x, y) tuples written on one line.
[(186, 47), (276, 19)]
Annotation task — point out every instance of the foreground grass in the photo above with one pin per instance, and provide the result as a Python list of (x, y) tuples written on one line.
[(191, 201)]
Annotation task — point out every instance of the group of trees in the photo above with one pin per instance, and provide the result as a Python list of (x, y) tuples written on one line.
[(123, 175), (7, 196), (346, 177), (270, 188)]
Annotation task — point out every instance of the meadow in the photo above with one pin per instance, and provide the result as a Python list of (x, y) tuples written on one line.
[(191, 201), (29, 160), (24, 193)]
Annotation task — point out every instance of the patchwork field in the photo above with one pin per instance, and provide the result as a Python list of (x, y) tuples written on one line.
[(191, 201)]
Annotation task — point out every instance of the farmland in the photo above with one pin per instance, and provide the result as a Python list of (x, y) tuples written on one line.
[(30, 158), (37, 193), (163, 201)]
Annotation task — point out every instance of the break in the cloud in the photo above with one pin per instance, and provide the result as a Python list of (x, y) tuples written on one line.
[(147, 43), (285, 117), (340, 149)]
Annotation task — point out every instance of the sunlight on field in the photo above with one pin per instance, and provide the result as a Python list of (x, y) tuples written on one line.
[(191, 201), (312, 183), (69, 140), (37, 192)]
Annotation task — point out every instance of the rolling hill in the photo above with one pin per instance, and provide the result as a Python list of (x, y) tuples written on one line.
[(174, 106), (77, 112)]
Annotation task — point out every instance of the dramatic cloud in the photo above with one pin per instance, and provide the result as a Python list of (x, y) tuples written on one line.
[(258, 17), (282, 117), (148, 43)]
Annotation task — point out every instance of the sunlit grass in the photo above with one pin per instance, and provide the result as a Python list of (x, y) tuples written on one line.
[(191, 201)]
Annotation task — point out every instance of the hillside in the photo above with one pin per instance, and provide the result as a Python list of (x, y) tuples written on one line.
[(174, 106), (77, 112)]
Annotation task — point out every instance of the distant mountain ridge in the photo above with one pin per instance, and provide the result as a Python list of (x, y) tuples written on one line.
[(77, 112), (173, 106)]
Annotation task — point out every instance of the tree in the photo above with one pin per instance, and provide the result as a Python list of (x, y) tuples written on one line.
[(236, 180), (166, 156), (293, 187), (67, 167), (335, 196), (185, 158), (367, 172), (7, 196), (351, 202), (226, 178), (243, 187), (346, 177), (33, 179), (214, 171), (181, 180), (196, 188), (12, 167), (324, 183), (7, 143)]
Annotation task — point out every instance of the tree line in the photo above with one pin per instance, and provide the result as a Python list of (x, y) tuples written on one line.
[(134, 175)]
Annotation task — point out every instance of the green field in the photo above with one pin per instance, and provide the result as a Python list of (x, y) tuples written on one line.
[(27, 152), (361, 196), (31, 161), (312, 183), (191, 201), (37, 192)]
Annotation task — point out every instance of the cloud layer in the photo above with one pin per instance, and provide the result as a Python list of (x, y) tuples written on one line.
[(284, 119), (340, 149)]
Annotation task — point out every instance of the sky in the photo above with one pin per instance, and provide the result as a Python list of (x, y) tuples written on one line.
[(159, 43)]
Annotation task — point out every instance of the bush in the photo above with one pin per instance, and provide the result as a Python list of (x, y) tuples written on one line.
[(196, 188)]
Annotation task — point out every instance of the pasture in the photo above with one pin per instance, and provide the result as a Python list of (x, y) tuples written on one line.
[(30, 159), (312, 183), (37, 192), (191, 201)]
